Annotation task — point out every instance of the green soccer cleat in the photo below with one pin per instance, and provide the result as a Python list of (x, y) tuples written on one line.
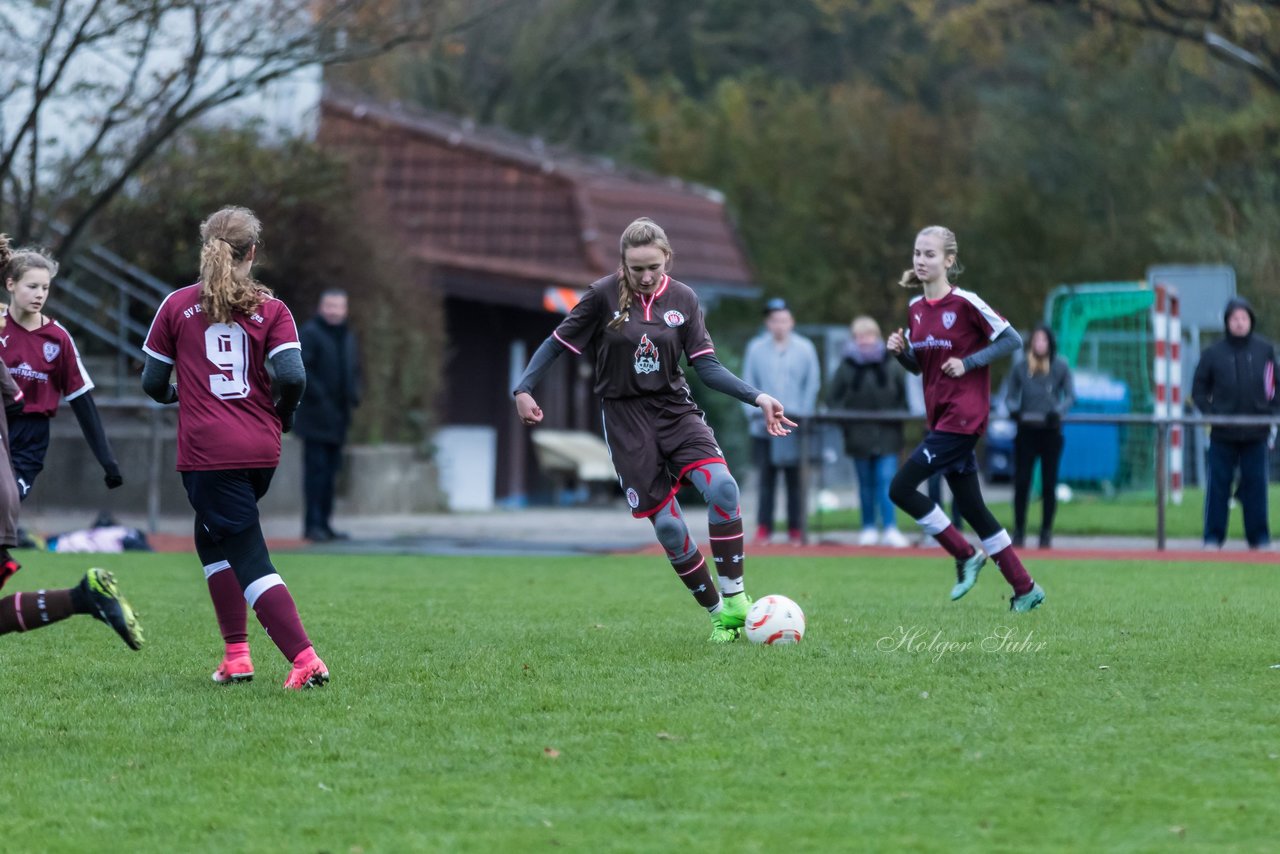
[(99, 588), (1031, 599), (726, 624), (733, 612), (967, 569)]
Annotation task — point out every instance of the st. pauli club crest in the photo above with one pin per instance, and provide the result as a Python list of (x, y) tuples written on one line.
[(646, 356)]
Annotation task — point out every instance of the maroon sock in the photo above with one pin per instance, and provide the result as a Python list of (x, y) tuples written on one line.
[(1013, 571), (279, 616), (954, 542), (23, 612), (229, 606), (695, 575), (728, 551)]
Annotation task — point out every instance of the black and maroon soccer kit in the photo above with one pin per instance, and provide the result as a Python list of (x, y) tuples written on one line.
[(655, 432)]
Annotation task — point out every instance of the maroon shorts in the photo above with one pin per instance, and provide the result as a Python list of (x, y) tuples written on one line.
[(654, 442)]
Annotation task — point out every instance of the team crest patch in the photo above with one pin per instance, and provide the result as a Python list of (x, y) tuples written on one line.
[(633, 498), (673, 318), (51, 351), (646, 356), (948, 319)]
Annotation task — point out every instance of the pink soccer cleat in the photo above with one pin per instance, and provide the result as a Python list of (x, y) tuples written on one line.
[(234, 669), (308, 672)]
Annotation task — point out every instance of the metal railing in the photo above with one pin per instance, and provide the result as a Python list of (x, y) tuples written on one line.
[(1161, 425)]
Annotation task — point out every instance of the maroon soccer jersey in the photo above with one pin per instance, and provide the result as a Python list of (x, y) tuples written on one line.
[(226, 415), (957, 325), (45, 364), (642, 356)]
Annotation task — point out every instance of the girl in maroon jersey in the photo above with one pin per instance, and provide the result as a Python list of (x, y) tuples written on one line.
[(637, 324), (950, 339), (218, 335), (42, 358), (96, 594)]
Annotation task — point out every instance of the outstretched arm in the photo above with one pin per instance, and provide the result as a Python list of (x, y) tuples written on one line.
[(91, 425), (717, 377), (526, 407), (546, 354), (289, 384)]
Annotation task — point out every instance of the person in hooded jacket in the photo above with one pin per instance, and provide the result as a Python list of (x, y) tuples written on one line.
[(1237, 376)]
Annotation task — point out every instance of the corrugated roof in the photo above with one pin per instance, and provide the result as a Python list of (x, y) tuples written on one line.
[(488, 200)]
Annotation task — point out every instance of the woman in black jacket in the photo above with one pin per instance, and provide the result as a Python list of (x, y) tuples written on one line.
[(866, 379)]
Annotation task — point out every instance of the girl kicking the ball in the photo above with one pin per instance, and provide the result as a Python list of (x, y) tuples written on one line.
[(950, 339), (637, 323)]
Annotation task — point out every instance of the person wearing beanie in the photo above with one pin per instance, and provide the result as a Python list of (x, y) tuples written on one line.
[(1237, 376)]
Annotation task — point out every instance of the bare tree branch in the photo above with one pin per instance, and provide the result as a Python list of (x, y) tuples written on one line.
[(1213, 24), (105, 74)]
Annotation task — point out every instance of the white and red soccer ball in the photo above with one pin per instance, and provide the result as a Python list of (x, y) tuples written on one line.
[(774, 620)]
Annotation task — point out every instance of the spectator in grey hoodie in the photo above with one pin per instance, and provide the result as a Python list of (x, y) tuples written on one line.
[(1040, 393), (785, 365)]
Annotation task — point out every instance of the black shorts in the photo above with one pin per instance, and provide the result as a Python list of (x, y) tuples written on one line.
[(653, 445), (947, 453), (28, 446), (226, 500)]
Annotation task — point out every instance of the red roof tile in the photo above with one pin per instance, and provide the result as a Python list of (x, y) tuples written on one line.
[(490, 201)]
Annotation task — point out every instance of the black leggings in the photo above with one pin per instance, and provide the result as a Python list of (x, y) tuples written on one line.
[(1029, 444), (967, 489)]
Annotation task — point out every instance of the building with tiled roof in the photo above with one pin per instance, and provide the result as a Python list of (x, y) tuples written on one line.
[(509, 231)]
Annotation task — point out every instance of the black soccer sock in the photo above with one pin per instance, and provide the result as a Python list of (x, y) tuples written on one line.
[(23, 612), (727, 549), (695, 575)]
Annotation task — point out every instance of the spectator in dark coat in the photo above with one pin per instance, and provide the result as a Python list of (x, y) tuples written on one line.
[(332, 359), (867, 380), (1237, 376)]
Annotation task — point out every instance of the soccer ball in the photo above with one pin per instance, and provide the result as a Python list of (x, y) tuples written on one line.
[(774, 620)]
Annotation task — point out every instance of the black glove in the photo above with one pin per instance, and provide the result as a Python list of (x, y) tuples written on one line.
[(113, 479), (286, 420), (1052, 420), (14, 408)]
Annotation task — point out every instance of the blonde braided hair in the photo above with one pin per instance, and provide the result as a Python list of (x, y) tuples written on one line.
[(641, 232)]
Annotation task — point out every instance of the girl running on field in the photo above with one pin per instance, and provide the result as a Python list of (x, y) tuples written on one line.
[(96, 594), (218, 335), (950, 339), (44, 362), (636, 324)]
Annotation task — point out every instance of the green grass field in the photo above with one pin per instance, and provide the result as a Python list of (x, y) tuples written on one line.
[(571, 703), (1129, 514)]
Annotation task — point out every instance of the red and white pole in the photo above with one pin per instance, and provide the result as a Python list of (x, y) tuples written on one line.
[(1175, 397)]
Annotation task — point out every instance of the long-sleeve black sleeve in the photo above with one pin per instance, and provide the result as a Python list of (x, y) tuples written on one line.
[(289, 384), (907, 358), (1005, 343), (155, 381), (719, 378), (91, 425), (548, 351)]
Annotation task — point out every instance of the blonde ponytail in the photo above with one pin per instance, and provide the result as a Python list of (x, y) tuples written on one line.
[(229, 235)]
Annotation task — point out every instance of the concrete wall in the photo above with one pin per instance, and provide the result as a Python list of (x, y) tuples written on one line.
[(376, 479)]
